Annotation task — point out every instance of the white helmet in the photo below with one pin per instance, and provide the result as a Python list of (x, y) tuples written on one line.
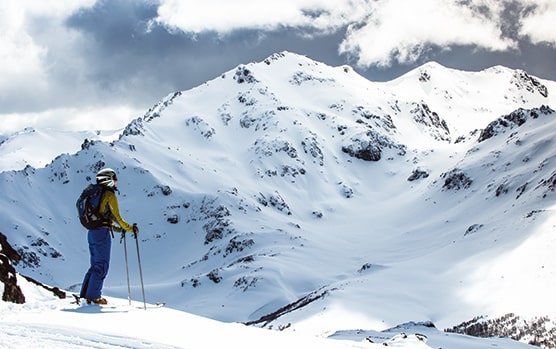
[(107, 177)]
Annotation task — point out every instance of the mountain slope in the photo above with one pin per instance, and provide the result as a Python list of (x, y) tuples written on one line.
[(288, 178), (47, 322), (37, 147)]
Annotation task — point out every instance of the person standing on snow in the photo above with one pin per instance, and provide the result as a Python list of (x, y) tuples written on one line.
[(100, 239)]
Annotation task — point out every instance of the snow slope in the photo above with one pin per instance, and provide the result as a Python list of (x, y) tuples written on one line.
[(288, 182), (37, 147), (47, 322)]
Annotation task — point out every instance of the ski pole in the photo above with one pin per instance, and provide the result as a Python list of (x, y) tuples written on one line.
[(140, 271), (126, 268)]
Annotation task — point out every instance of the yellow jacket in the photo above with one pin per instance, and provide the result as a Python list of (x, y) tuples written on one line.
[(109, 208)]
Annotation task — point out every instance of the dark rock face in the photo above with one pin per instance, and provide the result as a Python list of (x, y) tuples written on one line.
[(12, 292), (513, 120), (8, 276), (417, 174), (455, 180), (524, 81)]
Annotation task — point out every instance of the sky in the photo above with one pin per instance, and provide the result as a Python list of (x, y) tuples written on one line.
[(97, 64)]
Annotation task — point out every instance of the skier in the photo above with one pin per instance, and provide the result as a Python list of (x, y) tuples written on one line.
[(100, 240)]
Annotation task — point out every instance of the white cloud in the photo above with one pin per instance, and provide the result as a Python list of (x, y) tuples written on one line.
[(399, 30), (380, 31), (22, 59), (538, 25), (25, 64), (20, 56), (226, 16)]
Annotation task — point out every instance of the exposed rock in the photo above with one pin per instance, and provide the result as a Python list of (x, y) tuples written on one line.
[(134, 128), (8, 276), (455, 180), (435, 125), (417, 174), (298, 304), (514, 119), (244, 75), (539, 331), (523, 80), (155, 111), (55, 290)]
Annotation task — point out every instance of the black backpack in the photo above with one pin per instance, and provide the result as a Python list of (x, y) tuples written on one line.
[(88, 206)]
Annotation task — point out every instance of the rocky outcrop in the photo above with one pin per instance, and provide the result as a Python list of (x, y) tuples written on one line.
[(12, 292), (539, 331), (8, 276), (513, 120)]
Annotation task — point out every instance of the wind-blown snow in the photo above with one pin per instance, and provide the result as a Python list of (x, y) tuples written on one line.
[(427, 198)]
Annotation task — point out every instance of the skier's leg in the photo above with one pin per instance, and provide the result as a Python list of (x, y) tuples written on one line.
[(87, 277), (101, 242), (85, 284)]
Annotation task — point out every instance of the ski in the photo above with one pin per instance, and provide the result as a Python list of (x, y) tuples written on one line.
[(77, 300), (152, 306)]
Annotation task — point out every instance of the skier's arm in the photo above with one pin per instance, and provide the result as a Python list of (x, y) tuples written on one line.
[(110, 202)]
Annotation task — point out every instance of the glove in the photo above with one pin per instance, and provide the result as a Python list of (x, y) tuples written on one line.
[(135, 228)]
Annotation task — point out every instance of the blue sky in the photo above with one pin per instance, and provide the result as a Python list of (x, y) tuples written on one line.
[(71, 64)]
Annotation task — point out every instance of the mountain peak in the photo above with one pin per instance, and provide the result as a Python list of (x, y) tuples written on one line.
[(290, 184)]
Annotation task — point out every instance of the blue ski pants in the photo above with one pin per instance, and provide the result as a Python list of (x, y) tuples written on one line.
[(100, 242)]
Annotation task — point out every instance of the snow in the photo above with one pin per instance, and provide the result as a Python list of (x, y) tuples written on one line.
[(247, 203), (47, 322), (38, 147)]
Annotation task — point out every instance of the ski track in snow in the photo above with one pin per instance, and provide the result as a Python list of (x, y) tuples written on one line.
[(42, 336)]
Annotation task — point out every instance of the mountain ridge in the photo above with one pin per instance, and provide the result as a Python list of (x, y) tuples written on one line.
[(240, 179)]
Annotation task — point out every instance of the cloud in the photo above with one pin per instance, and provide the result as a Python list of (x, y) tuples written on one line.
[(377, 32), (52, 73), (226, 16), (538, 24), (31, 31), (20, 57), (19, 52), (401, 31)]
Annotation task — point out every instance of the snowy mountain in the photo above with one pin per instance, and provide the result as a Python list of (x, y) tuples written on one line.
[(37, 147), (291, 195)]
